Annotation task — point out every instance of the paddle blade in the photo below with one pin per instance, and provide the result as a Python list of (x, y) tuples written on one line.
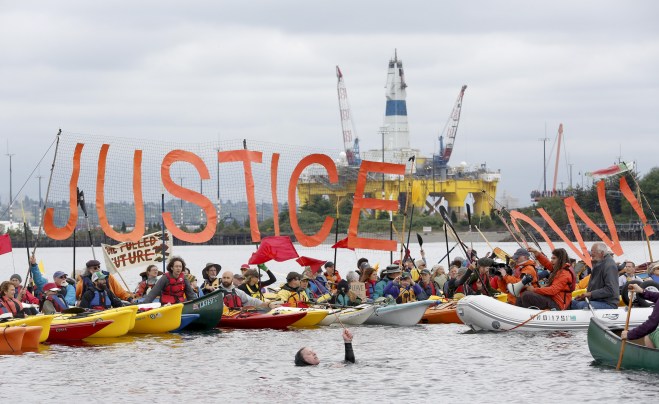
[(469, 214), (444, 213), (419, 239)]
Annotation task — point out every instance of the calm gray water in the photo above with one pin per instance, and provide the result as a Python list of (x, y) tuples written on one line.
[(425, 363)]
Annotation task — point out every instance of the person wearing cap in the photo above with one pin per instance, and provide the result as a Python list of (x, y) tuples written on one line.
[(9, 304), (51, 302), (238, 279), (236, 299), (291, 294), (318, 285), (331, 274), (306, 356), (648, 329), (404, 290), (210, 273), (61, 280), (602, 291), (84, 281), (149, 280), (523, 265), (172, 287), (22, 294), (253, 285), (99, 297), (193, 283), (387, 275), (430, 288), (479, 282)]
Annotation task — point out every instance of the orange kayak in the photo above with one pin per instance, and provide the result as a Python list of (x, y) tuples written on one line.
[(11, 338), (441, 314), (31, 337)]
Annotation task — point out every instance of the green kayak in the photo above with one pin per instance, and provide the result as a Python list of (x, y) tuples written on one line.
[(209, 307), (604, 344)]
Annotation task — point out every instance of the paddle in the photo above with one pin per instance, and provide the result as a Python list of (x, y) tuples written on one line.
[(624, 341), (420, 240)]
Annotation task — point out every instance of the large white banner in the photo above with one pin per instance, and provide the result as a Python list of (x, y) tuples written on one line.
[(146, 251)]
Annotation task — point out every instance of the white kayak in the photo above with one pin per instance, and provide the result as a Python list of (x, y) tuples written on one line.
[(485, 313), (406, 314), (351, 316)]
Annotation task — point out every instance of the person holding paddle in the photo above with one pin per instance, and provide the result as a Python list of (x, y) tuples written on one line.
[(648, 330)]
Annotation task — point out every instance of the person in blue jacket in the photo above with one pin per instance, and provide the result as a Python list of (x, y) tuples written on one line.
[(404, 290), (387, 275), (67, 290)]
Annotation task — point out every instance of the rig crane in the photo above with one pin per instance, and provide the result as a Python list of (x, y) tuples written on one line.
[(440, 160), (351, 146)]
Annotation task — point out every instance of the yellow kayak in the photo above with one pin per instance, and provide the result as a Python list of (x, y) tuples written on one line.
[(156, 321), (40, 320), (123, 317), (313, 317)]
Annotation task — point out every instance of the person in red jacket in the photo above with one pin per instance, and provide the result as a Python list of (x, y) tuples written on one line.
[(22, 294), (557, 294), (523, 265)]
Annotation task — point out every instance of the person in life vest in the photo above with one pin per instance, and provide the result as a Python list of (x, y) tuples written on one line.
[(236, 299), (253, 285), (523, 265), (51, 301), (479, 282), (172, 287), (430, 288), (84, 281), (331, 274), (290, 294), (149, 280), (404, 290), (308, 357), (22, 294), (99, 296), (557, 293), (628, 274), (60, 279), (210, 273), (369, 278), (387, 275), (343, 296), (9, 304)]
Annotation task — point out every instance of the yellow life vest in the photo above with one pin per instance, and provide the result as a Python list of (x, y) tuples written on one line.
[(406, 295)]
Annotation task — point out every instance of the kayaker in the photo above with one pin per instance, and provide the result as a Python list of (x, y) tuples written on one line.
[(317, 284), (149, 280), (253, 286), (84, 281), (211, 280), (479, 282), (430, 288), (51, 301), (59, 277), (304, 286), (238, 279), (22, 294), (629, 274), (648, 330), (438, 274), (291, 294), (235, 298), (602, 290), (653, 271), (193, 282), (523, 265), (369, 278), (172, 287), (307, 357), (99, 296), (404, 290), (449, 286), (557, 294), (343, 296), (9, 304), (387, 275), (331, 274)]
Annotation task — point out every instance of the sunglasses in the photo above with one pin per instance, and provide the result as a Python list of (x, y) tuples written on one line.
[(62, 277)]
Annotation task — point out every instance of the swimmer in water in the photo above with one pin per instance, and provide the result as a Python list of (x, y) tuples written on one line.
[(307, 357)]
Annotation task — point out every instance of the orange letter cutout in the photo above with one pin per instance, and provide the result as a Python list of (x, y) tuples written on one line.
[(629, 195), (371, 203), (274, 164), (247, 157), (515, 215), (138, 231), (188, 195), (62, 233), (315, 239)]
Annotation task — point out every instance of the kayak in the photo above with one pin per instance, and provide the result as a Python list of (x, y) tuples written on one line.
[(445, 313), (76, 331), (31, 337), (186, 320), (604, 344), (208, 307), (122, 318), (350, 316), (406, 314), (485, 313), (156, 321), (254, 320), (39, 320), (11, 339), (313, 316)]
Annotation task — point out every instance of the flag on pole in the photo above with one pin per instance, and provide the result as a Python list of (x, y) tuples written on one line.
[(343, 244), (5, 244), (278, 248), (611, 171), (312, 263)]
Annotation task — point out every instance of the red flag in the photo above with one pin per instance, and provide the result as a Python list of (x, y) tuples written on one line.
[(278, 248), (343, 244), (5, 244), (313, 263)]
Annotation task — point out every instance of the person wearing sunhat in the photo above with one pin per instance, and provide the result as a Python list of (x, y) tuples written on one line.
[(149, 279), (387, 275), (291, 294), (51, 302), (210, 273), (253, 285), (99, 297), (404, 290), (523, 265)]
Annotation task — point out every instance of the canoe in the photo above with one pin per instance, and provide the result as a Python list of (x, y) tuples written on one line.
[(186, 320), (209, 307), (254, 320), (442, 314), (350, 316), (604, 344), (406, 314), (31, 337), (11, 339), (40, 320), (76, 331), (313, 316), (156, 321), (122, 318), (485, 313)]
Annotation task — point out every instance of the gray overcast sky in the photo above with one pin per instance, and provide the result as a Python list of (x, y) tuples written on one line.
[(264, 70)]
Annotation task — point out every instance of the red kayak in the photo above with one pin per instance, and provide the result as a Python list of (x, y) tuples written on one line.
[(76, 331), (253, 320)]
